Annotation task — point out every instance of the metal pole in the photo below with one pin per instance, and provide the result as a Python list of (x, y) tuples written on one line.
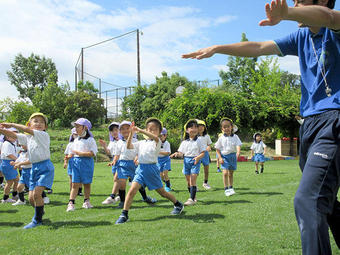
[(100, 88), (116, 102), (138, 59), (82, 64), (106, 102), (75, 78)]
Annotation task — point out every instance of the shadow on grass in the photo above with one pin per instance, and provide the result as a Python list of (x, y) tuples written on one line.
[(57, 203), (266, 173), (261, 193), (68, 193), (8, 211), (235, 189), (11, 224), (197, 218), (226, 202), (75, 224)]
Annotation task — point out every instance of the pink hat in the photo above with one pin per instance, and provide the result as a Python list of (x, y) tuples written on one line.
[(84, 122), (125, 122), (164, 131)]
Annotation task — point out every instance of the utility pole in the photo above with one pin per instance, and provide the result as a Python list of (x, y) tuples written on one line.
[(138, 59)]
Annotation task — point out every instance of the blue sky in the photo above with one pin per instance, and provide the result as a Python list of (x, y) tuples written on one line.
[(58, 29)]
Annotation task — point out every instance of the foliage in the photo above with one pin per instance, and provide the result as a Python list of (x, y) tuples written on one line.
[(32, 72), (19, 111), (87, 87)]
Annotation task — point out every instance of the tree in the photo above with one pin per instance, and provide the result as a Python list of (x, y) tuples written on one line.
[(18, 111), (29, 73), (87, 87)]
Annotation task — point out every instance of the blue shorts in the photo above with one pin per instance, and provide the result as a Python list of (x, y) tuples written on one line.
[(126, 169), (0, 165), (189, 167), (70, 166), (42, 174), (164, 163), (206, 159), (148, 175), (25, 176), (230, 162), (8, 171), (259, 157), (82, 171)]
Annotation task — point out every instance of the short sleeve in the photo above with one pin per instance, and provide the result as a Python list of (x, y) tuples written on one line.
[(135, 145), (238, 141), (167, 147), (201, 146), (252, 146), (264, 146), (93, 146), (8, 149), (41, 137), (288, 44), (181, 148), (22, 139), (218, 144), (209, 140)]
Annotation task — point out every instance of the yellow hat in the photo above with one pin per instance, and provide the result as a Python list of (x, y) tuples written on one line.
[(38, 114), (156, 120), (201, 122)]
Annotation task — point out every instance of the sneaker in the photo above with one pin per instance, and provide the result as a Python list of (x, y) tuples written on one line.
[(177, 209), (33, 224), (19, 202), (206, 186), (8, 200), (120, 205), (227, 192), (87, 205), (70, 207), (2, 185), (46, 200), (231, 192), (122, 219), (16, 197), (117, 198), (262, 170), (167, 189), (49, 191), (80, 194), (190, 202), (256, 172), (219, 170), (150, 200), (109, 200)]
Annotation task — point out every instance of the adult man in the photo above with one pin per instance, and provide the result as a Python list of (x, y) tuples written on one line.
[(317, 44)]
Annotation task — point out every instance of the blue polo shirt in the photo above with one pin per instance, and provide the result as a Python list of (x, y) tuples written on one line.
[(327, 45)]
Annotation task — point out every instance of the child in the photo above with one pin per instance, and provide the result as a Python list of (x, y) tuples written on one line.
[(259, 149), (68, 159), (126, 160), (84, 148), (2, 185), (147, 173), (25, 165), (164, 162), (193, 151), (217, 161), (38, 147), (111, 151), (9, 154), (206, 141), (228, 147)]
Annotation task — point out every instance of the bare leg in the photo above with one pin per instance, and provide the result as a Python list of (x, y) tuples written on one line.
[(37, 195), (131, 194), (74, 190), (166, 195), (87, 190), (225, 178)]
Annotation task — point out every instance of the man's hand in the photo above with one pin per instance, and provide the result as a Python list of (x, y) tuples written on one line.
[(202, 53), (276, 11)]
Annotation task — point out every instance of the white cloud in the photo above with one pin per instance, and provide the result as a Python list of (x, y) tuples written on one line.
[(290, 64), (58, 29), (225, 68)]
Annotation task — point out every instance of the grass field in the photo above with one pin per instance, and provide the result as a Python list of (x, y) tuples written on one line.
[(258, 219)]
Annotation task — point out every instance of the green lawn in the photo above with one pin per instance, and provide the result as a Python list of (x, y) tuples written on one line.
[(258, 219)]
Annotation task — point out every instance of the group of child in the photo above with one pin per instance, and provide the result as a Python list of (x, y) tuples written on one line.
[(146, 162)]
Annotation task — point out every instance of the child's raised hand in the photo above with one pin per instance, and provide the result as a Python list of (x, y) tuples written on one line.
[(5, 125), (174, 155), (102, 142)]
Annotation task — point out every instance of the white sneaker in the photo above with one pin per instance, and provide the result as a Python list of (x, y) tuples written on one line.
[(8, 200), (227, 192), (46, 200), (117, 198), (190, 202), (15, 198), (109, 200), (70, 207), (19, 202), (206, 186), (2, 185), (232, 191), (87, 205)]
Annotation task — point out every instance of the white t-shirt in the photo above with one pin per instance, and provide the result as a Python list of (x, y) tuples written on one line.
[(8, 149), (165, 147), (258, 147), (85, 145), (112, 147), (68, 149), (1, 145), (38, 145), (192, 147), (23, 156), (123, 152), (228, 144), (205, 140), (148, 151)]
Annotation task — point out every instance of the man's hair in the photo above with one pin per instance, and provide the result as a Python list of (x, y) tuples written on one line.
[(330, 3)]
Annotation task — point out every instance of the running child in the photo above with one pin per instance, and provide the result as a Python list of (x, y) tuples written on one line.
[(228, 148), (83, 150), (38, 147), (258, 149), (111, 151), (2, 185), (126, 160), (164, 161), (193, 151), (206, 141), (147, 173), (25, 165), (8, 154)]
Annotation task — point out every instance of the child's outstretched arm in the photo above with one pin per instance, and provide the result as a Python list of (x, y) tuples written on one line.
[(6, 132), (238, 151), (199, 157), (17, 126), (177, 154), (104, 145)]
